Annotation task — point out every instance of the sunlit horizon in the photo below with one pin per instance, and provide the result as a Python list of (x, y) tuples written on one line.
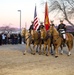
[(9, 15)]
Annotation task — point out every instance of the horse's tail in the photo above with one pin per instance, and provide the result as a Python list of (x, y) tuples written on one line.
[(72, 41), (72, 44)]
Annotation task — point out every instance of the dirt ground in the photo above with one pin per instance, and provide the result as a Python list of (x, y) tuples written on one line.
[(13, 62)]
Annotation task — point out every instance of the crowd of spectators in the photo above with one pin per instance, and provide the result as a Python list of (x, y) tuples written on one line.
[(7, 38)]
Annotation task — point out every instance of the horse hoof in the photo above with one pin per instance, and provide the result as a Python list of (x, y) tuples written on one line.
[(33, 53), (56, 56), (24, 53), (52, 54), (69, 54), (37, 51), (47, 54), (61, 53)]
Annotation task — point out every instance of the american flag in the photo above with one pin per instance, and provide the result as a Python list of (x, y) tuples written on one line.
[(36, 22)]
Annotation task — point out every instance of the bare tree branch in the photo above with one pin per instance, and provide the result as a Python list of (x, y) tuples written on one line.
[(64, 6)]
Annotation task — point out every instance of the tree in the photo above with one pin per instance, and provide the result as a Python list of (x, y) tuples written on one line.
[(65, 7)]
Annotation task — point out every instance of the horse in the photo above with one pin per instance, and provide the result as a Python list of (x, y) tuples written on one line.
[(45, 36), (57, 41), (36, 41), (27, 37)]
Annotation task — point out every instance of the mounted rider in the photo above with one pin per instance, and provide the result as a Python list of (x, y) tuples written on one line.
[(52, 23), (62, 30), (40, 27), (31, 26)]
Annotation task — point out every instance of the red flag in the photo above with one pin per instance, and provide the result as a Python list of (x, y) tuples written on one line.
[(46, 20), (35, 19)]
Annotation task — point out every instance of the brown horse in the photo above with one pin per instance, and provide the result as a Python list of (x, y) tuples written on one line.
[(35, 37), (57, 40), (27, 37), (45, 36)]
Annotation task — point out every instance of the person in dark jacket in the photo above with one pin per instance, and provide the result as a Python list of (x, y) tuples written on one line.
[(0, 39), (31, 26), (61, 26), (62, 30), (41, 26)]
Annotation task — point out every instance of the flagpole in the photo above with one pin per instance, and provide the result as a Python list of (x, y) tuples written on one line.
[(20, 20)]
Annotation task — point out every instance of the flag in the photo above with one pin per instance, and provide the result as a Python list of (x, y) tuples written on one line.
[(36, 23), (46, 19)]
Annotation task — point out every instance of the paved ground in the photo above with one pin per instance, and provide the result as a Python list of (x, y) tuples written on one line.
[(13, 62)]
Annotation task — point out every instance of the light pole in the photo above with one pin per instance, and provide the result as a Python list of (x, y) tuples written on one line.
[(20, 20)]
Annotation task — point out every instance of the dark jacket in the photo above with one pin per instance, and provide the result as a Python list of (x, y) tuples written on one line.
[(52, 25), (61, 26), (31, 27), (41, 26)]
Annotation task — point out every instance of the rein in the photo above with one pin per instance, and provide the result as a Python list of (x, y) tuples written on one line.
[(28, 37), (47, 36)]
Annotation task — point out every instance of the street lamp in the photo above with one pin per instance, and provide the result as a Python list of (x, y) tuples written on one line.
[(20, 20)]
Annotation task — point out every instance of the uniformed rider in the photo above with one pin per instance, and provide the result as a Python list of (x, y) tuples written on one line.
[(40, 27), (52, 23), (62, 30), (31, 26)]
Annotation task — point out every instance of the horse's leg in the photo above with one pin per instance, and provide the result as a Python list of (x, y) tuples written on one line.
[(27, 44), (48, 53), (69, 48), (45, 47), (70, 44), (56, 51), (34, 49), (31, 49), (37, 49), (52, 49), (40, 49), (61, 46)]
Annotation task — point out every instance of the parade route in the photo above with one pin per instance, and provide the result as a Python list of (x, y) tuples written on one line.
[(13, 62)]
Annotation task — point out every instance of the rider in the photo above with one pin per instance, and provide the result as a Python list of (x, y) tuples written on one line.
[(62, 30), (31, 26), (52, 24), (41, 26)]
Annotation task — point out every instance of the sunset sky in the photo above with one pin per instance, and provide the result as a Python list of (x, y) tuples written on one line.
[(9, 15)]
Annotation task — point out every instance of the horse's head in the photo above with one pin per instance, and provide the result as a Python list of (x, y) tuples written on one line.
[(53, 30), (23, 32), (32, 34), (43, 33)]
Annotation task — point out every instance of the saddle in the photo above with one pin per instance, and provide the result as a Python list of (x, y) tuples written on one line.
[(64, 40), (66, 36)]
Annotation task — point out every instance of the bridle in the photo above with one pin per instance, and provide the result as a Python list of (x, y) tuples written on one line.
[(28, 37), (47, 36)]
